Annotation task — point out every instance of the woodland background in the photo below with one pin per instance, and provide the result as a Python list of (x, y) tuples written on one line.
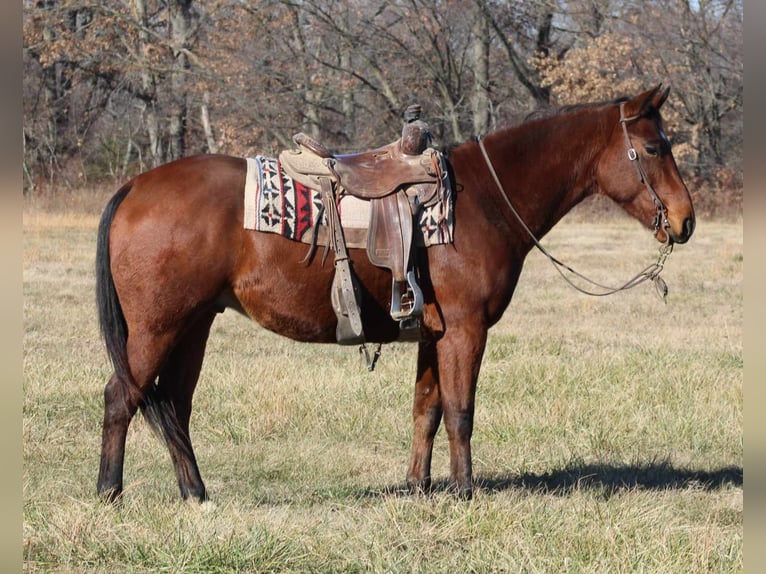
[(115, 87)]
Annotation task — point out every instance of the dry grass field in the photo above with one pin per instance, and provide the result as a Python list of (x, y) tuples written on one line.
[(608, 434)]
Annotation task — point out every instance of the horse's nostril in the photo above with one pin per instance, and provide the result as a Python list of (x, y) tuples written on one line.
[(688, 227)]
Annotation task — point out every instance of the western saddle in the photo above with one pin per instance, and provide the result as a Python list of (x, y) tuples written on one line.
[(396, 179)]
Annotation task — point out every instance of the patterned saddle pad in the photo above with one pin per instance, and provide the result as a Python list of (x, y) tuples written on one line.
[(275, 203)]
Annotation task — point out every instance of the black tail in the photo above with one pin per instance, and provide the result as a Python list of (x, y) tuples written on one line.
[(114, 329), (157, 408)]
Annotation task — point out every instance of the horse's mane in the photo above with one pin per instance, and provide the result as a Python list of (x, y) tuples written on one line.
[(542, 113), (554, 111)]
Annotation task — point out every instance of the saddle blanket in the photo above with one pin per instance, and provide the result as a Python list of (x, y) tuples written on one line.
[(275, 203)]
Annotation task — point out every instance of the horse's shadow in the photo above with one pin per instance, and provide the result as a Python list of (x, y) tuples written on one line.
[(606, 479)]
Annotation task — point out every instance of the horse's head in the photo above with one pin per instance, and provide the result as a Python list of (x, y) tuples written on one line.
[(638, 171)]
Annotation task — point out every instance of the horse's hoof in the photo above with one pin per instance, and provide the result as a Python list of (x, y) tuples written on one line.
[(110, 495), (465, 493), (419, 487), (196, 495), (461, 491)]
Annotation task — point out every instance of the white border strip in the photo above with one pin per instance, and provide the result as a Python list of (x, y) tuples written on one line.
[(251, 189)]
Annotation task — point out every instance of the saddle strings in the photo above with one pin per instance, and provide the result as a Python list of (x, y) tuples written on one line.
[(651, 272)]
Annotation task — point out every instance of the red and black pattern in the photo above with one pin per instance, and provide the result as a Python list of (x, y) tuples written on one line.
[(283, 205)]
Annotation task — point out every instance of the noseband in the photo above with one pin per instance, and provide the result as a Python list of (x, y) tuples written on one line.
[(661, 218)]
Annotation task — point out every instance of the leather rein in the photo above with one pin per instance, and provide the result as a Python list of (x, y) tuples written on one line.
[(651, 272)]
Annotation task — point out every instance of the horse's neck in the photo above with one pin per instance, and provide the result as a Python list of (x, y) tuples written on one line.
[(546, 167)]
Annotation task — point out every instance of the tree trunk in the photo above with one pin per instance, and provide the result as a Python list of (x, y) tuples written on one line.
[(347, 103), (148, 93), (212, 146), (524, 73), (450, 113), (179, 14), (480, 62)]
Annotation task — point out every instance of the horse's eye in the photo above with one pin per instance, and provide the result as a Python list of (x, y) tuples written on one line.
[(652, 151)]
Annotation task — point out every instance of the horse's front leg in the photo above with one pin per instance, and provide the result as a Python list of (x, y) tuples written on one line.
[(459, 356), (426, 416), (446, 385)]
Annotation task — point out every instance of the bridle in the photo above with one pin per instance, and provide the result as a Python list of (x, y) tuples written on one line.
[(651, 272), (661, 218)]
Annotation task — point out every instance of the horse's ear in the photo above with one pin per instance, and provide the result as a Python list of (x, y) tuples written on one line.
[(660, 97), (642, 102)]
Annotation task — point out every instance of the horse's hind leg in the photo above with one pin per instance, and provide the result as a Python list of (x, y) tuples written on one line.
[(118, 412), (121, 401), (169, 406)]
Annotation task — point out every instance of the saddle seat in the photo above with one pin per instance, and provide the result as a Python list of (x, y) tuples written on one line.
[(368, 175)]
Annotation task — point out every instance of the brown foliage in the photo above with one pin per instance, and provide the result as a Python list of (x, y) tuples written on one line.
[(108, 87)]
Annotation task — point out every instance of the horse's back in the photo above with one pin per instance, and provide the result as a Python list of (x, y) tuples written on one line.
[(184, 195), (191, 182)]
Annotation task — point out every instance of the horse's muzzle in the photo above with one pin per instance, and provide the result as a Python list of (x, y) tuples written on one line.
[(666, 234), (687, 229)]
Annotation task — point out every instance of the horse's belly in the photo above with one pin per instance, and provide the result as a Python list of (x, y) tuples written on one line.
[(294, 300), (296, 314)]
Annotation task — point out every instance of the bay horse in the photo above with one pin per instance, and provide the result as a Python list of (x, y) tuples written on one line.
[(172, 253)]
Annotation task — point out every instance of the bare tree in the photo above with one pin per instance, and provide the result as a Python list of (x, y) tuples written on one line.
[(180, 29), (706, 69), (114, 86), (146, 91), (89, 52), (480, 50)]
